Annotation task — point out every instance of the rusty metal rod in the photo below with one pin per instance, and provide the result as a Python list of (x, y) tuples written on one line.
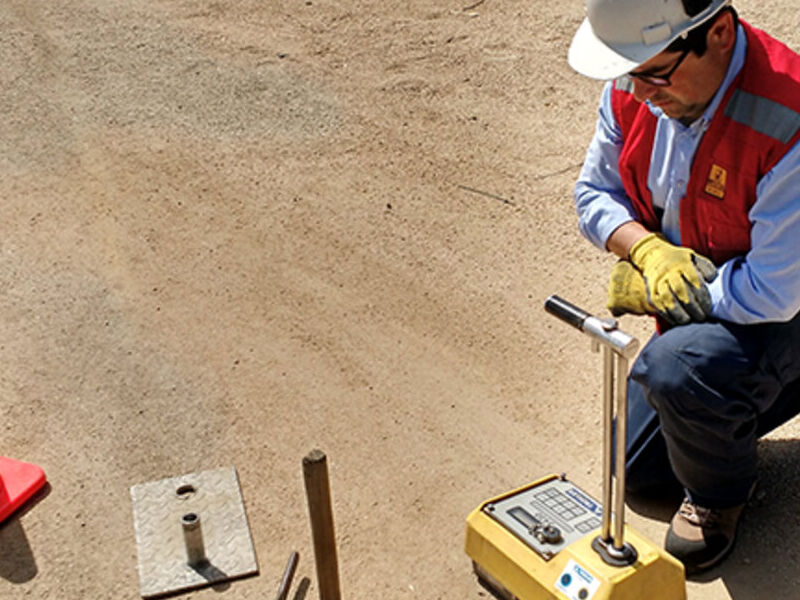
[(315, 473)]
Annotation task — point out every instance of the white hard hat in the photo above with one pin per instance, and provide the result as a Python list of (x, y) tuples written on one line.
[(619, 35)]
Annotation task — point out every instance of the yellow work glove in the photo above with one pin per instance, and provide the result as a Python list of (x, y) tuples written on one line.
[(627, 292), (675, 278)]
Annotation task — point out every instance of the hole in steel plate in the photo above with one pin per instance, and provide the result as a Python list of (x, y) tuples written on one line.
[(185, 491)]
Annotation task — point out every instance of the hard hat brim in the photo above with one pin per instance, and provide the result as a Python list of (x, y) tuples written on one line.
[(589, 56)]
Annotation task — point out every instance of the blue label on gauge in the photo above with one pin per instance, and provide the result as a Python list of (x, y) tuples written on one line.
[(585, 501)]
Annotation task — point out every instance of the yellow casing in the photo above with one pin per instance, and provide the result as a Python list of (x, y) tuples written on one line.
[(524, 574)]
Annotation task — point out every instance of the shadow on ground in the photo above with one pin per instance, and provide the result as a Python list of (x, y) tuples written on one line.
[(17, 561), (764, 561)]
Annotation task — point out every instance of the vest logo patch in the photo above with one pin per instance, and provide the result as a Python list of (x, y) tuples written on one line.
[(716, 181)]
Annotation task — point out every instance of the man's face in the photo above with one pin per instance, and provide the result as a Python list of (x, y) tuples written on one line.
[(690, 88), (693, 80)]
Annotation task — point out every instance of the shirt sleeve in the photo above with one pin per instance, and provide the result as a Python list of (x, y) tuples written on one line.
[(764, 285), (600, 197)]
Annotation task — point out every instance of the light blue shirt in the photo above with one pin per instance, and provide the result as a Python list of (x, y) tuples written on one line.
[(762, 286)]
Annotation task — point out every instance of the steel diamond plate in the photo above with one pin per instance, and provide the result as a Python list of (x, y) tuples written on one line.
[(158, 509)]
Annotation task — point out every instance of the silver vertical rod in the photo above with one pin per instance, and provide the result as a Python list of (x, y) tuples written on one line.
[(193, 538), (622, 433), (608, 419)]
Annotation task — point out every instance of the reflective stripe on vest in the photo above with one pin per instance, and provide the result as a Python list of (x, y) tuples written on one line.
[(764, 115)]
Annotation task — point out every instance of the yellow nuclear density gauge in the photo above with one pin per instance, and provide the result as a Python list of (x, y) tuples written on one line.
[(537, 543), (552, 540)]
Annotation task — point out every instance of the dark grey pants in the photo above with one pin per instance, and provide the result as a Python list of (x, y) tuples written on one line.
[(700, 396)]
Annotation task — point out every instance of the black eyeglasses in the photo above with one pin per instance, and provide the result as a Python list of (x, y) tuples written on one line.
[(661, 80)]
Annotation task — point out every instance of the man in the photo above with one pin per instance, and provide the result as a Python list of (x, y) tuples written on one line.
[(693, 180)]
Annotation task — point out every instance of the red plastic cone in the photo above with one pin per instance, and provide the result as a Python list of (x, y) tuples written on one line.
[(18, 482)]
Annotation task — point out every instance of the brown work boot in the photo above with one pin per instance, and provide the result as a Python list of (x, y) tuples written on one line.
[(701, 537)]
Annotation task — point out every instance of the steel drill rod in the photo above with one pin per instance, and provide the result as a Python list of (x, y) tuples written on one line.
[(288, 575), (315, 472)]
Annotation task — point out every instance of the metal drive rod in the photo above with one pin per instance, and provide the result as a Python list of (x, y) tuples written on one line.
[(288, 575), (193, 539)]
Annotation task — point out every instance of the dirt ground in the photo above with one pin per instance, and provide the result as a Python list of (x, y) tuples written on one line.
[(237, 231)]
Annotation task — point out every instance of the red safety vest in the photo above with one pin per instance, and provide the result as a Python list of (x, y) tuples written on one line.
[(757, 122)]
